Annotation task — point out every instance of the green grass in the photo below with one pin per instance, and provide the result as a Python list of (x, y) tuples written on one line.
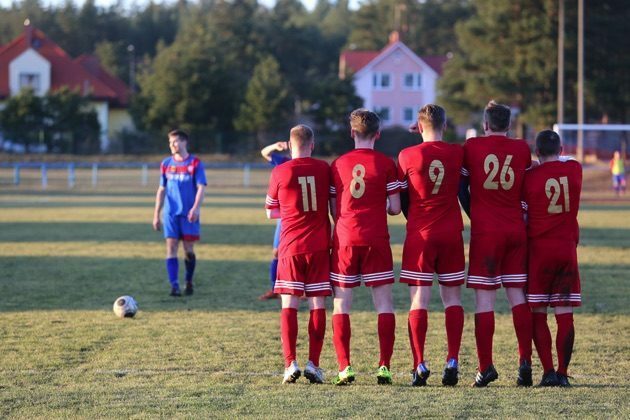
[(65, 256)]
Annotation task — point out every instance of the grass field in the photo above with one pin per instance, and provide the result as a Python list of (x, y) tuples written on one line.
[(66, 255)]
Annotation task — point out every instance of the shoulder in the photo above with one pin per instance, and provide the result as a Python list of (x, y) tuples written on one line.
[(166, 161)]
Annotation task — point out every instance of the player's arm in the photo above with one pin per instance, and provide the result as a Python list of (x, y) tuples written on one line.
[(159, 202), (464, 194), (273, 213), (332, 204), (393, 204), (404, 203), (193, 214), (278, 146)]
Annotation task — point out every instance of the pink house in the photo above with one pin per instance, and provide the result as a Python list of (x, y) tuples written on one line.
[(394, 82)]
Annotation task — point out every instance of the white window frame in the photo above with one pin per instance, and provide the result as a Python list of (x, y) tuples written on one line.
[(379, 109), (35, 83), (377, 81), (412, 119), (416, 81)]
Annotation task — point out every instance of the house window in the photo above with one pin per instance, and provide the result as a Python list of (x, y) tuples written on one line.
[(382, 81), (383, 112), (408, 114), (29, 80), (412, 81)]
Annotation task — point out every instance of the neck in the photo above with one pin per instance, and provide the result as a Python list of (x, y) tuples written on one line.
[(496, 133), (552, 158), (181, 156), (300, 153), (428, 136), (363, 143)]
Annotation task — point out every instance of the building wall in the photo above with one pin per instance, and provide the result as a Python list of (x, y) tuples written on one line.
[(119, 120), (102, 113), (29, 63)]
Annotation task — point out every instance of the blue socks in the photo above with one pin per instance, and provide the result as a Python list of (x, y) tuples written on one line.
[(172, 268), (190, 262), (273, 272)]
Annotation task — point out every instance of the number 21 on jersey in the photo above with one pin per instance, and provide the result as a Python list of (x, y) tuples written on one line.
[(552, 189), (305, 183)]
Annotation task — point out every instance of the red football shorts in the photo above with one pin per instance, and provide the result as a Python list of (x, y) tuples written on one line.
[(441, 253), (304, 274), (554, 279), (497, 258), (351, 264)]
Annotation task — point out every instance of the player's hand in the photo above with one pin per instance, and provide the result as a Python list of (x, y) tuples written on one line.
[(282, 146), (193, 215), (413, 128), (156, 224)]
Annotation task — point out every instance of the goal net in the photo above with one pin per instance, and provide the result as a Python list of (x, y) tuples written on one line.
[(600, 141)]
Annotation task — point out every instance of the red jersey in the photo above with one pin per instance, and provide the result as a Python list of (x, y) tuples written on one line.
[(496, 168), (361, 180), (430, 172), (300, 189), (552, 196)]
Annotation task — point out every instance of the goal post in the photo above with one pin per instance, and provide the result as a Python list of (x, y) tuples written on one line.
[(600, 140)]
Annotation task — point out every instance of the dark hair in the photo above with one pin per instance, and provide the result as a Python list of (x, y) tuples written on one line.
[(433, 116), (548, 143), (497, 116), (180, 134), (365, 122), (302, 134)]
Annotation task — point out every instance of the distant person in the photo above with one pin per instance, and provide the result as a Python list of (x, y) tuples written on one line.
[(271, 155), (429, 174), (494, 167), (298, 193), (618, 171), (364, 189), (181, 190), (552, 198)]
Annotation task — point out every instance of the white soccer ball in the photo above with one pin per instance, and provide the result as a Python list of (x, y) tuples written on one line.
[(125, 307)]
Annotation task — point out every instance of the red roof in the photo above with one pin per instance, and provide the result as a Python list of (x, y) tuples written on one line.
[(352, 61), (93, 65), (65, 72)]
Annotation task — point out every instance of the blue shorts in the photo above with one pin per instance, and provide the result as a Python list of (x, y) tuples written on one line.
[(619, 180), (180, 228), (276, 235)]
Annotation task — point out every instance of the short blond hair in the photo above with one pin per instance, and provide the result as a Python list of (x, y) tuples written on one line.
[(302, 135), (365, 122)]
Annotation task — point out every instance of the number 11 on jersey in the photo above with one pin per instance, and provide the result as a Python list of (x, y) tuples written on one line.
[(305, 182)]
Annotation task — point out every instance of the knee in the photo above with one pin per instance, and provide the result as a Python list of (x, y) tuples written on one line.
[(190, 256)]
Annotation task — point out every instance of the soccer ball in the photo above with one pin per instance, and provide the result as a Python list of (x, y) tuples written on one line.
[(125, 307)]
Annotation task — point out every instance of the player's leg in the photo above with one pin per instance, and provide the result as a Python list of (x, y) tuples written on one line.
[(564, 341), (317, 287), (172, 233), (418, 324), (190, 262), (342, 332), (454, 323), (483, 277), (451, 266), (542, 341), (273, 266), (288, 334)]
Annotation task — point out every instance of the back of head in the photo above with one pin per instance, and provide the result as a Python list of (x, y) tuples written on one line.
[(498, 117), (302, 136), (432, 117), (548, 143), (365, 123), (180, 134)]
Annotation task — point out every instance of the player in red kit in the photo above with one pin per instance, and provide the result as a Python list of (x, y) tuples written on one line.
[(552, 197), (494, 167), (298, 194), (430, 174), (364, 188)]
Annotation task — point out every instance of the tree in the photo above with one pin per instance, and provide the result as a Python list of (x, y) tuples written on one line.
[(506, 52), (267, 105), (22, 119)]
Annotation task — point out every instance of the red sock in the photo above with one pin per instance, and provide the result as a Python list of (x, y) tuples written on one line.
[(288, 334), (418, 323), (316, 332), (454, 320), (564, 341), (386, 335), (523, 326), (542, 340), (484, 332), (341, 339)]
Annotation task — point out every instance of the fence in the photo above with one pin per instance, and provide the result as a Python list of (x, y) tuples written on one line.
[(121, 176)]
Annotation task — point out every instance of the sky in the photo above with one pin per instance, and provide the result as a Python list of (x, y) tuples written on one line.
[(106, 3)]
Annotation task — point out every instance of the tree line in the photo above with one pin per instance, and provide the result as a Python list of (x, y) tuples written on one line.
[(237, 74)]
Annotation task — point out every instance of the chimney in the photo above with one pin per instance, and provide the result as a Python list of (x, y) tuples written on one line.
[(28, 32), (394, 37)]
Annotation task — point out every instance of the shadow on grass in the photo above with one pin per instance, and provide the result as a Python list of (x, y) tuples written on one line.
[(124, 204), (82, 283)]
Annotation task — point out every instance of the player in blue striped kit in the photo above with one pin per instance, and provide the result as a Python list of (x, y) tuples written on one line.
[(181, 190)]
